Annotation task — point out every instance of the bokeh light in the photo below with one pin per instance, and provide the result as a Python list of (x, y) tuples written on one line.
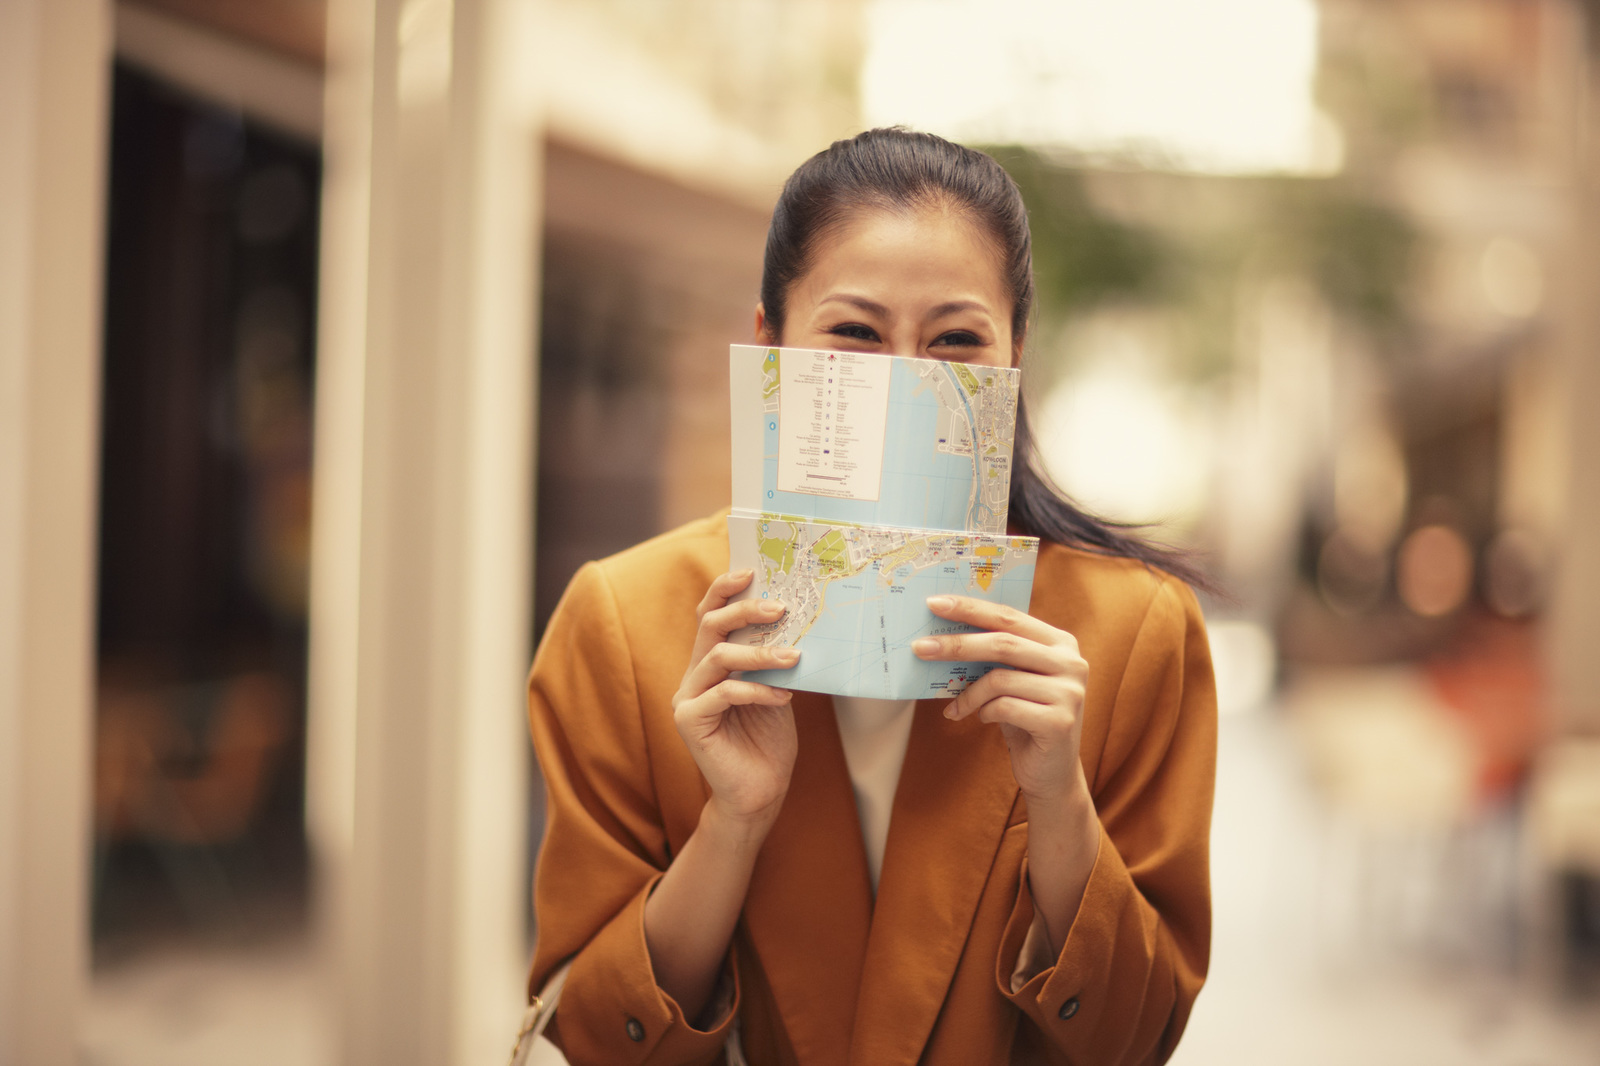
[(1434, 570), (1515, 567), (1512, 277)]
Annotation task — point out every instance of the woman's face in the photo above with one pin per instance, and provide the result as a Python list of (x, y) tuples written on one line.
[(923, 283)]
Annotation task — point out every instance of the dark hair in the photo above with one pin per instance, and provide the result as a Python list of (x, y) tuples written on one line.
[(902, 170)]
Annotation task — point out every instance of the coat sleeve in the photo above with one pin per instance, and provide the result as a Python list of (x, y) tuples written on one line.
[(1121, 990), (604, 847)]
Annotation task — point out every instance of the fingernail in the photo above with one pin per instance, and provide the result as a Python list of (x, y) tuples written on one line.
[(925, 646), (785, 693), (788, 655), (940, 603), (771, 607), (950, 710), (746, 572)]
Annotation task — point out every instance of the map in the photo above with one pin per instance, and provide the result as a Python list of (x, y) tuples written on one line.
[(862, 485), (856, 599), (872, 439)]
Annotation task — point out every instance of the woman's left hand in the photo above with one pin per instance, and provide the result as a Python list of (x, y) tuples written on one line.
[(1035, 692)]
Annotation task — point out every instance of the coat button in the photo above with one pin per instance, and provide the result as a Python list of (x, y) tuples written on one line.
[(635, 1030), (1068, 1009)]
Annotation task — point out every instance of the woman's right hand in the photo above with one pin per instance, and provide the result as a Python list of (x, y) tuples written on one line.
[(740, 733)]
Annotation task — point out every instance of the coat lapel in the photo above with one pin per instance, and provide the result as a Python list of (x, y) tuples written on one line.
[(810, 900), (951, 809)]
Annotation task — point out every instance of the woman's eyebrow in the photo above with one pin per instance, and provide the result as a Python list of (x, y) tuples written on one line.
[(860, 302), (949, 307), (956, 306)]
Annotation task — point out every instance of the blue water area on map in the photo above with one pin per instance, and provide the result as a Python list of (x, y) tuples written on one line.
[(921, 487), (860, 645)]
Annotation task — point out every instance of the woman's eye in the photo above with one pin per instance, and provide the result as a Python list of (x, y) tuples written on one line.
[(959, 338), (855, 331)]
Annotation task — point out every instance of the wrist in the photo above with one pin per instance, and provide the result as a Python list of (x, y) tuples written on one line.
[(736, 832), (1063, 841), (1071, 807)]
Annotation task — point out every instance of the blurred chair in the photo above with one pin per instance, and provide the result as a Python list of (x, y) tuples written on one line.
[(1420, 835), (1563, 823), (186, 770)]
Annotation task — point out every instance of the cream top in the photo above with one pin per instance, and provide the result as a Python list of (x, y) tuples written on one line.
[(875, 734)]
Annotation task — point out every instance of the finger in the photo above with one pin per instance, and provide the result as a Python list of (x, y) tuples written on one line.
[(1038, 688), (1007, 649), (730, 692), (716, 624), (1046, 724), (997, 616), (722, 587), (740, 613), (725, 658)]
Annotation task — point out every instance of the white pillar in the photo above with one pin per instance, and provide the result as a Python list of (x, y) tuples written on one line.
[(1575, 607), (54, 57), (422, 529)]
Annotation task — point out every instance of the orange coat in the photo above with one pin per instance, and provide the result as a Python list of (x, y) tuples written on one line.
[(821, 973)]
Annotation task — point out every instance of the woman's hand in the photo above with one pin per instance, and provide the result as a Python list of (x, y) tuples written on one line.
[(742, 737), (1035, 694), (740, 733)]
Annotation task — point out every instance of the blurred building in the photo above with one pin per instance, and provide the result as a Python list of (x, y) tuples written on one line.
[(603, 172), (336, 334)]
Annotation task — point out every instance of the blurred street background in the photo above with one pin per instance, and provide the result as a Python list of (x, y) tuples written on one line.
[(401, 310)]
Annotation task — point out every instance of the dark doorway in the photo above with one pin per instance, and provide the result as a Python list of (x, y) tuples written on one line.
[(205, 510)]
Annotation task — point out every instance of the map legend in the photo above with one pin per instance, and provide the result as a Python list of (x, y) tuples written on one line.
[(833, 410)]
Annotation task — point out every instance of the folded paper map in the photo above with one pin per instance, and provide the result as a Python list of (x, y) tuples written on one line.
[(872, 439), (863, 484), (857, 598)]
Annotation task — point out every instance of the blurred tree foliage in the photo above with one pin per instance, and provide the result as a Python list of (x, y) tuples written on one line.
[(1082, 256), (1358, 251)]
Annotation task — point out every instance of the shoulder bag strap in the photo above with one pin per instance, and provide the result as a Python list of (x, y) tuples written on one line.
[(538, 1015)]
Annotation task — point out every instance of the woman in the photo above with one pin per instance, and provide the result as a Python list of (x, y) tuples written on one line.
[(1019, 876)]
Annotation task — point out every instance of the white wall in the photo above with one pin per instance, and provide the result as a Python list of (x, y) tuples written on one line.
[(417, 775), (53, 131)]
